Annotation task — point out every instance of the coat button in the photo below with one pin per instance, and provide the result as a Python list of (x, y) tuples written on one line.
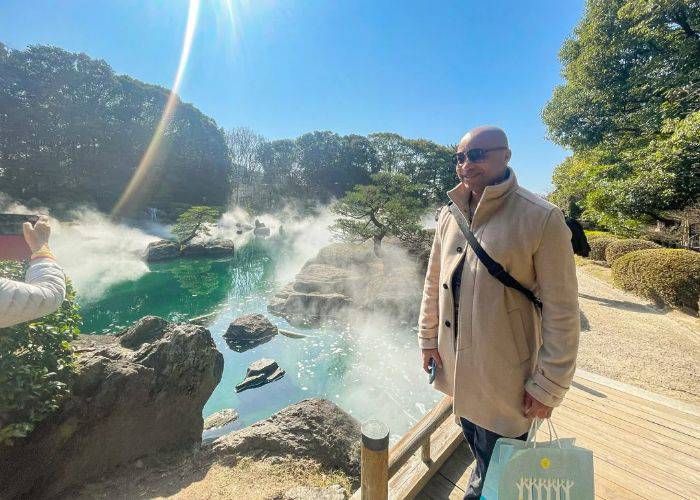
[(447, 324), (444, 285), (459, 249)]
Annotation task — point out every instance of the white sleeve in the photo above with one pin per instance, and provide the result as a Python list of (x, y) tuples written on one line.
[(42, 293)]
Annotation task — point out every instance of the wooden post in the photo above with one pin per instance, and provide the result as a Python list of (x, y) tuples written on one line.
[(374, 456), (425, 450)]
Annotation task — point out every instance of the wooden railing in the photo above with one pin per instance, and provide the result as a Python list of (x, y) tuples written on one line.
[(382, 468)]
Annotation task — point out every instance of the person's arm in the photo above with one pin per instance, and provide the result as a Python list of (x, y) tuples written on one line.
[(429, 309), (41, 294), (558, 289)]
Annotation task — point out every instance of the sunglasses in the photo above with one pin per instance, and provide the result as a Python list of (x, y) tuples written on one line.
[(473, 155)]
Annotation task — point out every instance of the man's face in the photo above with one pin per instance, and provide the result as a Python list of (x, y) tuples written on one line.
[(492, 165)]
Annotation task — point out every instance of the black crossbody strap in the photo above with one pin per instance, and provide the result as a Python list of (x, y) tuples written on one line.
[(494, 268)]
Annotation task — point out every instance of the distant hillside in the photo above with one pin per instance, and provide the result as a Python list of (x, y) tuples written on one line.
[(72, 131)]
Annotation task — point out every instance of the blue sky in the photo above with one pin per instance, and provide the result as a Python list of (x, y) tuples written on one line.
[(430, 69)]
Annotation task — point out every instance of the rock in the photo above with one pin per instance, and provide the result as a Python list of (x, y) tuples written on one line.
[(146, 329), (345, 279), (251, 327), (162, 250), (260, 372), (248, 331), (261, 231), (212, 248), (313, 428), (333, 492), (220, 418), (242, 226), (135, 394), (167, 250)]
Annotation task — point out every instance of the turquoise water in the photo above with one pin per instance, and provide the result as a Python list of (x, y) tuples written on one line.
[(371, 368)]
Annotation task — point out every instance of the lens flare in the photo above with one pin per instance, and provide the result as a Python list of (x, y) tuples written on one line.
[(137, 185)]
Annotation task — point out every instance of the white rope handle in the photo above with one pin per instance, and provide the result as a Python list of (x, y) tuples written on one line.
[(532, 433)]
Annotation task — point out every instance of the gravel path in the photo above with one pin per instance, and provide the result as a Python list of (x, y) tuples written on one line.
[(626, 338)]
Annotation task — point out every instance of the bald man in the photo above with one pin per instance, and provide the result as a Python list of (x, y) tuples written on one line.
[(504, 360)]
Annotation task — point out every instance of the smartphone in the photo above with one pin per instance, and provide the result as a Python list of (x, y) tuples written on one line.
[(432, 366), (12, 244)]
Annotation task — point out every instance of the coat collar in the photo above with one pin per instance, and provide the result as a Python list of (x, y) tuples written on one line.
[(490, 200)]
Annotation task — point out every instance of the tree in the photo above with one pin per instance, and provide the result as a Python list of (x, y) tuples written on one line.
[(194, 222), (391, 205), (629, 111), (244, 151), (73, 131)]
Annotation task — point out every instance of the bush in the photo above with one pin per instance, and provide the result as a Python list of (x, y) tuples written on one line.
[(36, 363), (598, 246), (592, 235), (619, 248), (671, 276)]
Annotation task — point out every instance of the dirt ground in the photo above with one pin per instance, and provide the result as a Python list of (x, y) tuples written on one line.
[(204, 476), (627, 338)]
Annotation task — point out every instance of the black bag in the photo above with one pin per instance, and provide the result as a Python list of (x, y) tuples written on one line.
[(579, 242), (494, 268)]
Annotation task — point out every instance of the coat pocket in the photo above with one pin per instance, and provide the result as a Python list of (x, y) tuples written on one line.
[(518, 331)]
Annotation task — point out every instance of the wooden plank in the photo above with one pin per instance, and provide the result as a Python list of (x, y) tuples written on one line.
[(665, 412), (668, 437), (415, 474), (627, 480), (665, 402), (439, 488), (615, 434), (663, 473), (459, 466), (626, 407)]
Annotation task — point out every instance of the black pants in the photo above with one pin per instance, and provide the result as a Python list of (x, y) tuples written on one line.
[(481, 441)]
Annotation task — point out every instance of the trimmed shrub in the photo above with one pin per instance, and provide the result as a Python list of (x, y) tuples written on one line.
[(36, 363), (667, 275), (619, 248), (598, 246), (592, 235)]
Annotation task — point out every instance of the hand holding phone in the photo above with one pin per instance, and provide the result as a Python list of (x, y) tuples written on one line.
[(432, 367), (14, 244)]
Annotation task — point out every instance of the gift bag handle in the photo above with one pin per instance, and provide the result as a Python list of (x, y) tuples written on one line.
[(532, 433)]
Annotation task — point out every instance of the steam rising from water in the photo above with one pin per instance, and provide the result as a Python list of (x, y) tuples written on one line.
[(97, 253)]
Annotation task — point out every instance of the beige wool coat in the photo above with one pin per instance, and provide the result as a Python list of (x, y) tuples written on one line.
[(504, 344)]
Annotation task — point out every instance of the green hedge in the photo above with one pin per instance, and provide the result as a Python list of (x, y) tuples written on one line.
[(592, 235), (618, 248), (598, 246), (36, 363), (671, 276)]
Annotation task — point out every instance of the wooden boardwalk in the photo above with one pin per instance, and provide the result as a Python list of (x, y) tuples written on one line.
[(644, 445)]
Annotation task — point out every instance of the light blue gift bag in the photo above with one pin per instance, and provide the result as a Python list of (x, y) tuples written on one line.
[(528, 470)]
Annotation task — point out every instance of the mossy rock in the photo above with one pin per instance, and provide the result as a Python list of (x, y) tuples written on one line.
[(618, 248), (598, 246), (670, 276)]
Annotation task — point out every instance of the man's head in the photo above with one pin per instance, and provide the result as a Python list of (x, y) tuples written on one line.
[(483, 156)]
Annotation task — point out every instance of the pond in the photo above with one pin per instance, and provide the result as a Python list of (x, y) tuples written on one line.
[(371, 368)]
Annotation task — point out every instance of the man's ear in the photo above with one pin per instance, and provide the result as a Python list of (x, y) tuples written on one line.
[(507, 155)]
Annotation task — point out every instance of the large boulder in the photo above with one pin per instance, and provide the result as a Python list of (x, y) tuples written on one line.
[(343, 279), (135, 394), (167, 250), (313, 428)]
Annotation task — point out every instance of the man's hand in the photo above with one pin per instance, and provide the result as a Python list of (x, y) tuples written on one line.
[(534, 408), (37, 235), (430, 353)]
